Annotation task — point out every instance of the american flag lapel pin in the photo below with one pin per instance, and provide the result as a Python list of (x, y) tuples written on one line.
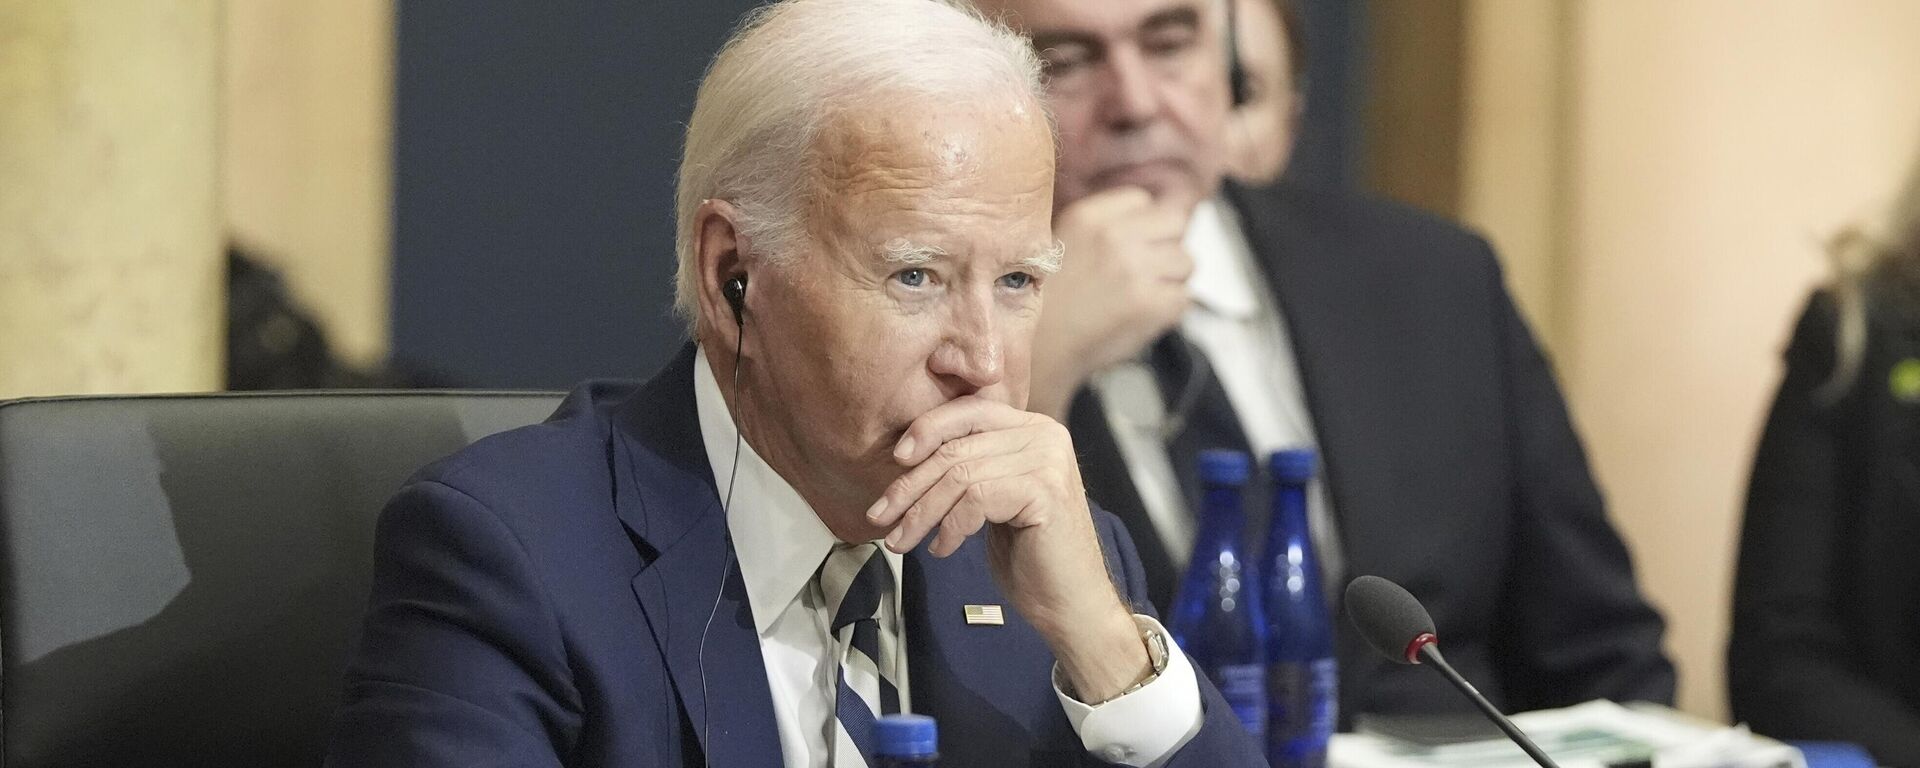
[(985, 615)]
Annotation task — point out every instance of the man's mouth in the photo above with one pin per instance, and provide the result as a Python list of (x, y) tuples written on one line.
[(1152, 174)]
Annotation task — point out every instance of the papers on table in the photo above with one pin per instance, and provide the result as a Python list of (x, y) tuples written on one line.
[(1597, 734)]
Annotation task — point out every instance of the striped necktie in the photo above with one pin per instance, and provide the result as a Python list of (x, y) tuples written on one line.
[(855, 580)]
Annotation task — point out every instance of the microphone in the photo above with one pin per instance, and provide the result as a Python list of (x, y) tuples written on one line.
[(1396, 625)]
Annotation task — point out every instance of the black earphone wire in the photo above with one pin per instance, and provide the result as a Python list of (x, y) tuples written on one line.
[(726, 571), (1237, 86), (1188, 398)]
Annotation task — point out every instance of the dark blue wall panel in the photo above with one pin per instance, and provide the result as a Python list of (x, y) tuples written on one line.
[(1327, 153), (535, 149)]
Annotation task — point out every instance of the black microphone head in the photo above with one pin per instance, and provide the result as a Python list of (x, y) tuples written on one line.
[(1390, 618)]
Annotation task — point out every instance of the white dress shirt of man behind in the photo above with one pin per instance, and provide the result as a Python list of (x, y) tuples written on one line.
[(1236, 326)]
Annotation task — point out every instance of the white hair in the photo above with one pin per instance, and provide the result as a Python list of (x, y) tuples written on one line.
[(794, 64)]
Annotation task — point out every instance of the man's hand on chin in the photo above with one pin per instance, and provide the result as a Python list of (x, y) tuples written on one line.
[(1122, 285), (975, 463)]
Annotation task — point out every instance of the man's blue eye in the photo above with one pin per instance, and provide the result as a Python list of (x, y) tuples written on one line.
[(912, 278), (1017, 280)]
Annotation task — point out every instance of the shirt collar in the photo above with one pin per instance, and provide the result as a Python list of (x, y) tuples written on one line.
[(1223, 276), (778, 540)]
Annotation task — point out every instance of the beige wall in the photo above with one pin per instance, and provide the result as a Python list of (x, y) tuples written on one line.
[(1666, 221), (110, 278), (1516, 146), (308, 155), (1413, 101), (135, 140)]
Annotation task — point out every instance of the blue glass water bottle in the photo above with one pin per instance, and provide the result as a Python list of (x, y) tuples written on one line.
[(1216, 615), (1302, 682), (906, 741)]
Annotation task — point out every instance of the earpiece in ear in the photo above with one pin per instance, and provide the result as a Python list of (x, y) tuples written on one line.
[(1238, 87), (736, 292)]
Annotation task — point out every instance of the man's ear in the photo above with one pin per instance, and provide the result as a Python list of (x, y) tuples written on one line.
[(720, 252)]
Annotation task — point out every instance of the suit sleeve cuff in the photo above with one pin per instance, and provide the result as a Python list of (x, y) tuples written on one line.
[(1147, 726)]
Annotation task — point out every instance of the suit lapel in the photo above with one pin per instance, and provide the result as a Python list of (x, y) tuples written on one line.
[(1344, 361), (1344, 377), (666, 500)]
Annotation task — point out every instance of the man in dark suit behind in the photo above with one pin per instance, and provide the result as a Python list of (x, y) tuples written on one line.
[(1197, 316), (818, 514)]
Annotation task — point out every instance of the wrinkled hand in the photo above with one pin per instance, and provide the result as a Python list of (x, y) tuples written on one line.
[(1124, 283), (976, 464)]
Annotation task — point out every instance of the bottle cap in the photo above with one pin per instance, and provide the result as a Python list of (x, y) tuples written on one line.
[(1293, 465), (906, 736), (1224, 467)]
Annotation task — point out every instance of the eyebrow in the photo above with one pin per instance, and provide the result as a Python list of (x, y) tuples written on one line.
[(908, 253), (1183, 16), (905, 252), (1045, 40), (1048, 261)]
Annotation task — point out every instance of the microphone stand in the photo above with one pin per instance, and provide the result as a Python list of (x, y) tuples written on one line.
[(1431, 652)]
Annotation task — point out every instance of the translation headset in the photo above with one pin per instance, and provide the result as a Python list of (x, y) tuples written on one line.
[(1238, 83), (735, 292)]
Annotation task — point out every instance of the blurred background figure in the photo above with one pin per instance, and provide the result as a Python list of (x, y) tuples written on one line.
[(1272, 53), (1191, 315), (274, 343), (1826, 613)]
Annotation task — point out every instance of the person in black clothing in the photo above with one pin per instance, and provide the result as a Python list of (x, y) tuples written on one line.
[(273, 343), (1826, 609), (1192, 315)]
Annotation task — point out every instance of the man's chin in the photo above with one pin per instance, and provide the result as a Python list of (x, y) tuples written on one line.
[(862, 532)]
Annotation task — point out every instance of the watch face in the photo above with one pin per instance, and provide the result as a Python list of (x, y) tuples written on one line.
[(1158, 653), (1157, 650)]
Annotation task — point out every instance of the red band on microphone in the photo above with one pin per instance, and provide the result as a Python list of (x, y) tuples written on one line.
[(1423, 640)]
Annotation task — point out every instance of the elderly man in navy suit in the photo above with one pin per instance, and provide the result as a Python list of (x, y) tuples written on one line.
[(830, 508)]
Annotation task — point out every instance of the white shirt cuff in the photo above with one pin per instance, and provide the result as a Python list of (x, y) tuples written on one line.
[(1147, 726)]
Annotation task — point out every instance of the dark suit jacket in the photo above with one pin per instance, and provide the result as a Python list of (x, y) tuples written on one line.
[(1826, 604), (1451, 463), (540, 599)]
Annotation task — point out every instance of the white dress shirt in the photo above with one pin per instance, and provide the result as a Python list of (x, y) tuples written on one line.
[(779, 543), (1236, 323)]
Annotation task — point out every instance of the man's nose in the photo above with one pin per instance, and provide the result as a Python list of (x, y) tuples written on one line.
[(1133, 94), (972, 357)]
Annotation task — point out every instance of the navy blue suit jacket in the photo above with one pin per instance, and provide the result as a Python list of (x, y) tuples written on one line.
[(539, 599)]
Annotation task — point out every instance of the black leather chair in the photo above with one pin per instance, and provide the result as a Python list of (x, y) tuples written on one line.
[(183, 574)]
